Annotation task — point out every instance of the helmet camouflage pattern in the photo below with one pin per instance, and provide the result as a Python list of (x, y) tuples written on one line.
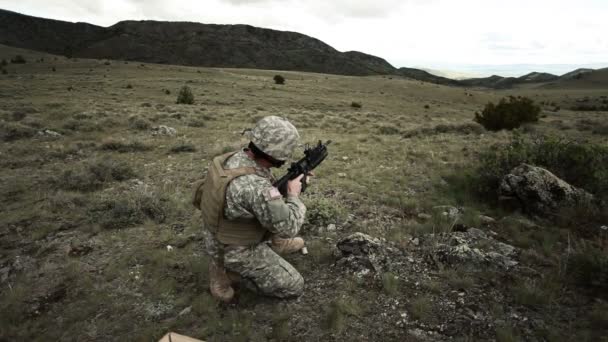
[(275, 136)]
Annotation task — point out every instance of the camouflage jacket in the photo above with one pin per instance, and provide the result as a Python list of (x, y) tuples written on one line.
[(253, 196)]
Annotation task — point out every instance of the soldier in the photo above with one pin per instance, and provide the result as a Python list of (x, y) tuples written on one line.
[(247, 223)]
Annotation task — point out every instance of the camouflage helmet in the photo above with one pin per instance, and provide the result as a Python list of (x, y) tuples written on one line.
[(275, 136)]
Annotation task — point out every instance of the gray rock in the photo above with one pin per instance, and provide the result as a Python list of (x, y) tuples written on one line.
[(541, 192), (476, 233), (164, 130), (473, 248), (360, 251), (331, 227), (186, 311), (48, 133), (486, 219)]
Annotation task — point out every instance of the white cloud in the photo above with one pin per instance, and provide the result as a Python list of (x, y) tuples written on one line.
[(435, 33)]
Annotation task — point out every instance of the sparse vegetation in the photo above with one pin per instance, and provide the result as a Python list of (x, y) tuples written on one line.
[(465, 128), (390, 283), (339, 311), (18, 59), (11, 131), (588, 267), (183, 147), (139, 123), (421, 308), (278, 79), (124, 147), (92, 175), (355, 105), (196, 123), (388, 130), (508, 113), (506, 334)]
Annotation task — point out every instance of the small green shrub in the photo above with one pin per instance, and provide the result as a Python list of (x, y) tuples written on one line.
[(4, 71), (530, 294), (508, 114), (90, 176), (390, 283), (388, 130), (183, 147), (11, 131), (356, 105), (82, 125), (185, 96), (196, 123), (124, 147), (338, 312), (506, 334), (18, 59), (319, 251), (421, 308), (3, 62), (322, 211), (134, 209), (588, 266), (139, 123), (116, 213), (278, 79)]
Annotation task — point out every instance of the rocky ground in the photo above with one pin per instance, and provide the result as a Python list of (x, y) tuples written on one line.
[(98, 240)]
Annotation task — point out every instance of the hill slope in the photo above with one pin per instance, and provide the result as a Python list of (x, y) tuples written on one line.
[(186, 43), (582, 79)]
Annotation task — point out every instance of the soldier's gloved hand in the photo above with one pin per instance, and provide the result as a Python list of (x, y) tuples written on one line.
[(294, 186)]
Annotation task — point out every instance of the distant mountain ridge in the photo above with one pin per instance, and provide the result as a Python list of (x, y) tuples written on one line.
[(187, 43), (231, 46)]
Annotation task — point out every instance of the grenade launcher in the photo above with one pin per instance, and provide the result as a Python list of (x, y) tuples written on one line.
[(313, 156)]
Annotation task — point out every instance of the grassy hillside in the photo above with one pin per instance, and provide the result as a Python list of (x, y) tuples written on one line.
[(99, 241)]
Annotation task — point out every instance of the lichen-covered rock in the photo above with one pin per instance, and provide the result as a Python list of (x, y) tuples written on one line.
[(472, 248), (362, 253), (540, 191)]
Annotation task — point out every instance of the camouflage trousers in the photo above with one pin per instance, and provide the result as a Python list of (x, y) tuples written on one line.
[(261, 269)]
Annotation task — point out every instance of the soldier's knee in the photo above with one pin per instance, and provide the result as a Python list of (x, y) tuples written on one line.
[(291, 286)]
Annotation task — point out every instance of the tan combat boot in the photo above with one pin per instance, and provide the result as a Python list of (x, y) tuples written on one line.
[(286, 246), (219, 283)]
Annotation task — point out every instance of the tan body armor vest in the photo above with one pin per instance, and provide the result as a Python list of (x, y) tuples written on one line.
[(210, 198)]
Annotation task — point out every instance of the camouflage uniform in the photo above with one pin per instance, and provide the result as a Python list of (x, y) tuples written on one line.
[(248, 196)]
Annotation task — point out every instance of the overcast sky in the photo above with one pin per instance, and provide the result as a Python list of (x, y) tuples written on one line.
[(481, 36)]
